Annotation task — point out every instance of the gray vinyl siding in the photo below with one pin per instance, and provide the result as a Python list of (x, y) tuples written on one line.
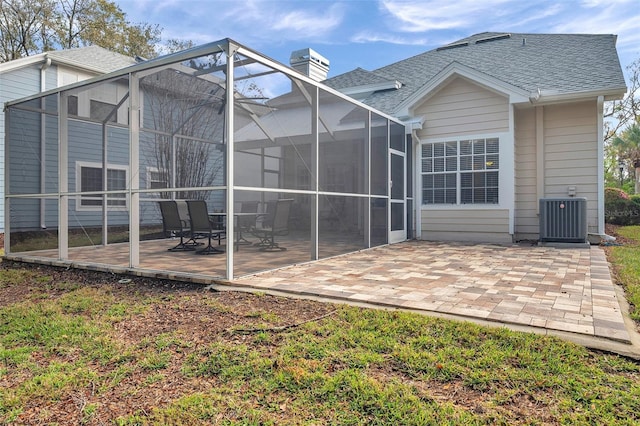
[(13, 85), (85, 145), (24, 168)]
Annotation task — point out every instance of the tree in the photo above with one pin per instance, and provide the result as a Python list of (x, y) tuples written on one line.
[(187, 113), (28, 27), (22, 27), (173, 45), (627, 147), (101, 22), (622, 113)]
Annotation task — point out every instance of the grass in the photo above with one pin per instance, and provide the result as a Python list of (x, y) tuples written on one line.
[(626, 261), (355, 367), (46, 239)]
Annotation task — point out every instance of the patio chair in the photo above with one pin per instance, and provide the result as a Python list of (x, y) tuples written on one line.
[(201, 225), (265, 218), (172, 224), (183, 210), (248, 222), (276, 225)]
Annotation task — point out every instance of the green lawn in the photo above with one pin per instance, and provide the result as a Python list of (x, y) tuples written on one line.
[(626, 263), (73, 353)]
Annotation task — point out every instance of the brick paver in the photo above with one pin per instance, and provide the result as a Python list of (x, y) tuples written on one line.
[(565, 289)]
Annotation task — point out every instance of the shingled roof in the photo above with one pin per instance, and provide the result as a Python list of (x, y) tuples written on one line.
[(92, 58), (562, 64), (96, 57)]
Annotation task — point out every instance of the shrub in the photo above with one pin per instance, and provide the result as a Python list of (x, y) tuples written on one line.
[(619, 209), (611, 194), (635, 198)]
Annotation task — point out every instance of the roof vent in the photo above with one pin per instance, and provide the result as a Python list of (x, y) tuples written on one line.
[(493, 38), (453, 46)]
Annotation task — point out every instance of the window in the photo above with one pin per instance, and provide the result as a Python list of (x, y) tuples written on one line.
[(464, 172), (156, 179), (89, 179), (72, 105), (101, 110)]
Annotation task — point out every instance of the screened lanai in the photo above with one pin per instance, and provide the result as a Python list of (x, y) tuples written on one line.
[(87, 166)]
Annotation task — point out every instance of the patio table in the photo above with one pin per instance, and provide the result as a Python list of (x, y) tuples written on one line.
[(240, 240)]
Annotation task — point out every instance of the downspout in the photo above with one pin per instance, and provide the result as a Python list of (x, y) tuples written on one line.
[(417, 192), (43, 148), (540, 189)]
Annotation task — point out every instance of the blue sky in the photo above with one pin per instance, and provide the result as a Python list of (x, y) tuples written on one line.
[(374, 33)]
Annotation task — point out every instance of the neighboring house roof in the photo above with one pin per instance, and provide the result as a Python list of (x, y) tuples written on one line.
[(91, 58), (557, 65), (95, 57)]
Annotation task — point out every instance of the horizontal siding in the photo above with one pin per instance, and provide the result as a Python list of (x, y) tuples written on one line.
[(14, 84), (491, 225), (85, 145), (526, 217), (463, 108), (24, 152), (571, 153)]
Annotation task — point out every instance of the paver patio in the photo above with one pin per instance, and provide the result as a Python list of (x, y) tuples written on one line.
[(545, 289), (564, 289)]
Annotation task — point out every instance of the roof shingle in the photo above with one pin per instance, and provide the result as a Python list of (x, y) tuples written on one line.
[(556, 63)]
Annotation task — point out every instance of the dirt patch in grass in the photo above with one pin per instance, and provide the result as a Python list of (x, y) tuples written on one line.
[(612, 230)]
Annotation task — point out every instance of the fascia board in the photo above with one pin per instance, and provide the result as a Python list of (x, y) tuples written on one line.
[(56, 59), (545, 99), (22, 62), (515, 94)]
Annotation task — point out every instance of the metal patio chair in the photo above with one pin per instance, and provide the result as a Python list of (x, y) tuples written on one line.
[(173, 225), (201, 225), (274, 225)]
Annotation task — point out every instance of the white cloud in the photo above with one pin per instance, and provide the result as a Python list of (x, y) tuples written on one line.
[(420, 16), (372, 37), (601, 3), (310, 22), (539, 15)]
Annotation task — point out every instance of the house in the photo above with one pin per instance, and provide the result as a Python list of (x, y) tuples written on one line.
[(500, 121), (459, 143), (45, 71)]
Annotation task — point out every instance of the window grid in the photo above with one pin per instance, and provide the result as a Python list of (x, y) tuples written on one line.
[(156, 179), (465, 169), (91, 180)]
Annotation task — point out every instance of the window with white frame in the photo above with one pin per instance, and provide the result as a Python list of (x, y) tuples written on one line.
[(460, 172), (89, 179), (156, 178)]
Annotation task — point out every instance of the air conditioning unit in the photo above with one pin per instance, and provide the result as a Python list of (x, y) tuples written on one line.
[(563, 220)]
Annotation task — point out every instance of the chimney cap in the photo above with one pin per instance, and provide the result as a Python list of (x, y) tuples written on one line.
[(308, 55)]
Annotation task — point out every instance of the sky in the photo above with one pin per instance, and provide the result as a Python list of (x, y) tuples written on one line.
[(374, 33)]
